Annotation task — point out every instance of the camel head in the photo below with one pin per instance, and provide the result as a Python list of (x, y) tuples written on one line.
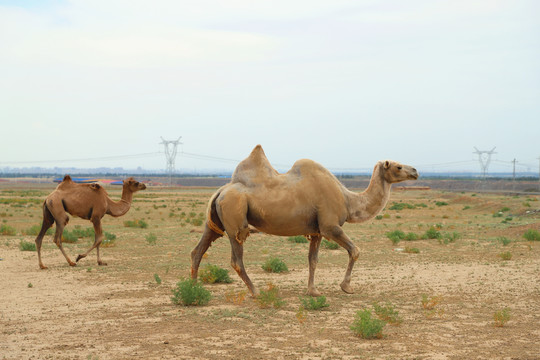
[(395, 172), (133, 185)]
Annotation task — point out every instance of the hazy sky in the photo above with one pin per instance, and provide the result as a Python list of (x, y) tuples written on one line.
[(345, 83)]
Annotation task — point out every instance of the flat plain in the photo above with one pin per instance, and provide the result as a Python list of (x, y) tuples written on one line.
[(470, 256)]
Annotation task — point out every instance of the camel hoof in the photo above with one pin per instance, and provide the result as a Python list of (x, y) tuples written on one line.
[(43, 267), (313, 293), (102, 263), (72, 264), (79, 257), (347, 288)]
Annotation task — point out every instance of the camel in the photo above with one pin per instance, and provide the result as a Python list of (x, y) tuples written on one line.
[(87, 201), (307, 200)]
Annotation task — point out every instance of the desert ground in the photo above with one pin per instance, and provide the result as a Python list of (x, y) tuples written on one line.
[(480, 264)]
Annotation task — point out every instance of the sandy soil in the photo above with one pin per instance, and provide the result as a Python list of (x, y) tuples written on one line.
[(120, 312)]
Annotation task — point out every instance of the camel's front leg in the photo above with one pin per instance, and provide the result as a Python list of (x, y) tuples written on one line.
[(196, 255), (313, 259), (97, 241), (337, 234)]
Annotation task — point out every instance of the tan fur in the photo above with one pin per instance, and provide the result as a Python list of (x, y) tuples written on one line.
[(307, 200), (87, 201)]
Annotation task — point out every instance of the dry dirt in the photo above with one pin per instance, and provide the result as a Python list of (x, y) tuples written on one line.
[(119, 311)]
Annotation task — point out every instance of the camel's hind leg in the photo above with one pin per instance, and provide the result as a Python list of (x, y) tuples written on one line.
[(207, 238), (237, 262), (48, 221), (337, 234), (97, 241), (313, 259), (60, 224)]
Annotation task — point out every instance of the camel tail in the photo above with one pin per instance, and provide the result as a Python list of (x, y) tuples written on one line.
[(212, 218)]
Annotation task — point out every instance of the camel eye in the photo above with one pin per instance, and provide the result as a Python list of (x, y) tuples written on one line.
[(399, 167)]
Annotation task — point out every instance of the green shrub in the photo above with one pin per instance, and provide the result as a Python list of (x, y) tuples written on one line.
[(274, 265), (86, 232), (449, 237), (7, 230), (432, 233), (366, 326), (109, 239), (157, 278), (506, 255), (69, 237), (136, 223), (331, 245), (151, 238), (411, 236), (270, 298), (378, 217), (501, 317), (441, 203), (211, 274), (505, 241), (314, 303), (532, 235), (395, 236), (387, 313), (298, 239), (27, 246), (197, 222), (189, 292), (34, 230), (401, 206), (411, 250)]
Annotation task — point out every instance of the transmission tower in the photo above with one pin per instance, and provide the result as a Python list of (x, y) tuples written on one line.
[(170, 155), (484, 158)]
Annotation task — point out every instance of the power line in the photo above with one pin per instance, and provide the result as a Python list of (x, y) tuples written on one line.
[(103, 158)]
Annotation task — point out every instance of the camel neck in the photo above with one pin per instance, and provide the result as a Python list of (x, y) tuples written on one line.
[(119, 208), (369, 203)]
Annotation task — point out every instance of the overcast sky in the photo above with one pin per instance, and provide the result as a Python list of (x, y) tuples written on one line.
[(345, 83)]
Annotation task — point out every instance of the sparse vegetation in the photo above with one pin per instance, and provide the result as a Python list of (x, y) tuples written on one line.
[(7, 230), (367, 327), (211, 274), (270, 297), (329, 244), (157, 278), (314, 303), (136, 223), (151, 239), (27, 246), (298, 239), (501, 317), (190, 293), (506, 255), (274, 265), (387, 313), (532, 235)]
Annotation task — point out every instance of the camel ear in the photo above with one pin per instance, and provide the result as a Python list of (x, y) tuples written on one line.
[(386, 164), (95, 186)]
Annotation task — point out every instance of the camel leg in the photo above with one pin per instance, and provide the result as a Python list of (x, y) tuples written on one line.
[(97, 241), (313, 259), (237, 262), (48, 221), (58, 239), (207, 238), (337, 234)]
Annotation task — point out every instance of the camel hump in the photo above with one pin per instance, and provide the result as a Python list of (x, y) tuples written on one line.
[(255, 169), (67, 178)]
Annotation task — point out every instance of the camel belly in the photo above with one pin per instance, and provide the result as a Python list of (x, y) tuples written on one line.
[(283, 223)]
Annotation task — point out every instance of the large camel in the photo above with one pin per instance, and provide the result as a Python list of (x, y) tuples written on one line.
[(307, 200), (87, 201)]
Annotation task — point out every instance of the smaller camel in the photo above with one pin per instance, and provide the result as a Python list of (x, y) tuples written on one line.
[(87, 201), (307, 200)]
